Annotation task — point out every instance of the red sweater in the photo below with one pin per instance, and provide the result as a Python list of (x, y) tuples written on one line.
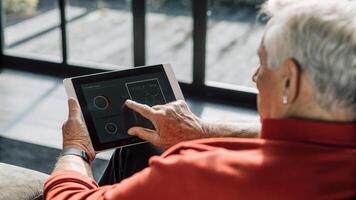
[(293, 159)]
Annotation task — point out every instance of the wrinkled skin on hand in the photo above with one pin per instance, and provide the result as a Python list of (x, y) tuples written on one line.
[(75, 134), (174, 123)]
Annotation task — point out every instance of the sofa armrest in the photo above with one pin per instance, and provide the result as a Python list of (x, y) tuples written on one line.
[(20, 183)]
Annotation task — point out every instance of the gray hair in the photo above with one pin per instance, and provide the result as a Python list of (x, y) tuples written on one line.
[(321, 36)]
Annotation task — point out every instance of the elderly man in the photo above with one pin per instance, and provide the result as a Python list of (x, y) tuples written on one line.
[(307, 144)]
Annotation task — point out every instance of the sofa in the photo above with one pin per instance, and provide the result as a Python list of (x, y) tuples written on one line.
[(18, 183)]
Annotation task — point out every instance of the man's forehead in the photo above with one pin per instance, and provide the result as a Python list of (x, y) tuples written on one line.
[(261, 48), (261, 51)]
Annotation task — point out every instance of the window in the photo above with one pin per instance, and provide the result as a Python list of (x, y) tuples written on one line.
[(169, 36), (211, 44), (100, 33), (233, 38), (31, 29)]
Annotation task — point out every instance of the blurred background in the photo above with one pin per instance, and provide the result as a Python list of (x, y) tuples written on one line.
[(211, 45)]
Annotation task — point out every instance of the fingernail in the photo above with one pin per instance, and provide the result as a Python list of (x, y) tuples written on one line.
[(131, 132)]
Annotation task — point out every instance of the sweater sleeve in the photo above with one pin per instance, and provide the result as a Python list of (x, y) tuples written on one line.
[(153, 182), (71, 185), (174, 175)]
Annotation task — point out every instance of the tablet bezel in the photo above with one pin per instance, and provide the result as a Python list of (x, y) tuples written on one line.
[(72, 85)]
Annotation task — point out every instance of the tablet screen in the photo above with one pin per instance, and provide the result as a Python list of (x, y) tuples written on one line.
[(102, 98)]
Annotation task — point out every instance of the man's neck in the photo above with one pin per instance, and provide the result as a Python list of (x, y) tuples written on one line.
[(315, 112)]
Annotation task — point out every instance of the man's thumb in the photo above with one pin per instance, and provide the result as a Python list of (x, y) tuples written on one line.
[(73, 106), (143, 133)]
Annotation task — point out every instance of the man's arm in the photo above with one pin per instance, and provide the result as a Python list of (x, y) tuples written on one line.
[(73, 163), (179, 174), (76, 136), (174, 123), (65, 174), (233, 129), (72, 177)]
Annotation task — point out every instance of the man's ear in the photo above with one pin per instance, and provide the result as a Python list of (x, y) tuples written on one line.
[(291, 79)]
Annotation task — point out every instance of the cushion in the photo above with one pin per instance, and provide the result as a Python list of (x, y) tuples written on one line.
[(19, 183)]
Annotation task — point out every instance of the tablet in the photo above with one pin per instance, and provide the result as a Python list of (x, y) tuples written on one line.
[(101, 98)]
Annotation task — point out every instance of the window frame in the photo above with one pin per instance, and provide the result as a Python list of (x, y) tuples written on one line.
[(236, 95)]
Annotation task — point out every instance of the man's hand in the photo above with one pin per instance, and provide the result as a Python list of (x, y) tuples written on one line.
[(74, 132), (174, 123)]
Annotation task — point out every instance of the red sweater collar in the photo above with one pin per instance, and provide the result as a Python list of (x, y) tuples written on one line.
[(332, 133)]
